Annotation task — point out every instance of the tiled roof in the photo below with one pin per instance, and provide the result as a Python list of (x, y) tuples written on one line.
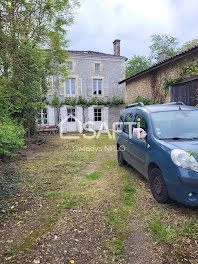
[(162, 63), (94, 53)]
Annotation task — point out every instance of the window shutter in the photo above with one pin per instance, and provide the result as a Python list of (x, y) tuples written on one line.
[(93, 67), (50, 84), (62, 87), (105, 88), (51, 116), (79, 91), (90, 88), (106, 117)]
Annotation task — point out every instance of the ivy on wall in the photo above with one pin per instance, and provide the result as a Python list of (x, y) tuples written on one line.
[(85, 103), (185, 72)]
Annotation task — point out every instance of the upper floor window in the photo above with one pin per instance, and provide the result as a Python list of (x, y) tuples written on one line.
[(97, 86), (97, 67), (70, 65), (71, 86)]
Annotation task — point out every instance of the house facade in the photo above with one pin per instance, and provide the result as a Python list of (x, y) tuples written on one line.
[(91, 75), (171, 79)]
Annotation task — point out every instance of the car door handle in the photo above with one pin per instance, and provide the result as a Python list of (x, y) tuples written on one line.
[(130, 142)]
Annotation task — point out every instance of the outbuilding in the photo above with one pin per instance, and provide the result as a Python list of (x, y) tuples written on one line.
[(171, 79)]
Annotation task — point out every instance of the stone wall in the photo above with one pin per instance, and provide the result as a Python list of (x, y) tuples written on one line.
[(150, 85)]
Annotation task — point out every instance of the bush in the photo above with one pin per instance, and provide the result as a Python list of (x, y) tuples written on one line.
[(144, 100), (11, 137)]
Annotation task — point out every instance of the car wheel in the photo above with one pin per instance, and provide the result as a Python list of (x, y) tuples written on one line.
[(121, 161), (158, 186)]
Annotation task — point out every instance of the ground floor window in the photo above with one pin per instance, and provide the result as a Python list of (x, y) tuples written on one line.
[(71, 112), (97, 114), (42, 117)]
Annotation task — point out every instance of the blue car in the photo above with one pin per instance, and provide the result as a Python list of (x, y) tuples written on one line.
[(156, 140)]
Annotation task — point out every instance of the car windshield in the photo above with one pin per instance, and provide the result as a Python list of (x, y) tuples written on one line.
[(175, 124)]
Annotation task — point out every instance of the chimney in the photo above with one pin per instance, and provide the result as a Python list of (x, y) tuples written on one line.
[(161, 56), (116, 47)]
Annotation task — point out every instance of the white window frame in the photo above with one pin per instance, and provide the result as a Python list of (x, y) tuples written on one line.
[(97, 90), (43, 118), (70, 88)]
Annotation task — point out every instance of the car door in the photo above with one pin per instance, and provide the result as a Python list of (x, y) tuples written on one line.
[(139, 145), (126, 136)]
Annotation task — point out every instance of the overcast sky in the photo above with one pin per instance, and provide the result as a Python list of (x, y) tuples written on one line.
[(99, 22)]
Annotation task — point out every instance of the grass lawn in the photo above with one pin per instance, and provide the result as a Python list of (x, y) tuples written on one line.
[(69, 202)]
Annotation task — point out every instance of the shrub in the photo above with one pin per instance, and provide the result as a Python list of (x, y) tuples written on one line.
[(144, 100), (11, 137)]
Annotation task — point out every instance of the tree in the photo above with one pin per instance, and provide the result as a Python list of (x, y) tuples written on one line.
[(32, 47), (137, 64), (188, 45), (163, 43)]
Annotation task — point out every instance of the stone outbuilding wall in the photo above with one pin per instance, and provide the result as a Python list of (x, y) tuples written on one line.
[(150, 85)]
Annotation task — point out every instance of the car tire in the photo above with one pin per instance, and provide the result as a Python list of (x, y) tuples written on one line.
[(121, 160), (158, 186)]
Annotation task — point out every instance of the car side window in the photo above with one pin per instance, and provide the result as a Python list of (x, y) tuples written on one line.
[(128, 118), (140, 128)]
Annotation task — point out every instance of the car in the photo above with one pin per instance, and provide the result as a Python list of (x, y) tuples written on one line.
[(164, 153)]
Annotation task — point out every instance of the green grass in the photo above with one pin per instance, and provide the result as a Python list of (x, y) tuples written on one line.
[(189, 228), (161, 232), (93, 176), (9, 251), (50, 194), (113, 218), (129, 198)]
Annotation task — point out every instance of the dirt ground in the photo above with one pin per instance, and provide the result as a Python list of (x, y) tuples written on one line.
[(67, 201)]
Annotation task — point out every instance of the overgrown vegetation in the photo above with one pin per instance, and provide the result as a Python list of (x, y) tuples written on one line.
[(144, 100), (32, 42)]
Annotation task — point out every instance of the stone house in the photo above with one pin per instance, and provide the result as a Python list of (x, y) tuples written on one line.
[(91, 75), (171, 79)]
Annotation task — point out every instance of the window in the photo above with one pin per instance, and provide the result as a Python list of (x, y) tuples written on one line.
[(42, 117), (120, 121), (70, 65), (97, 67), (71, 112), (70, 86), (97, 114), (128, 118), (97, 86), (140, 122), (140, 128)]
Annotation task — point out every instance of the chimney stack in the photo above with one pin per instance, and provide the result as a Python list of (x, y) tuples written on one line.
[(161, 56), (116, 47)]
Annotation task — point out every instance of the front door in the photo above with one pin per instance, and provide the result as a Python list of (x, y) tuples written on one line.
[(71, 121)]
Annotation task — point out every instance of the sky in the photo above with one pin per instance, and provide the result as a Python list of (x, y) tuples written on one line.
[(99, 22)]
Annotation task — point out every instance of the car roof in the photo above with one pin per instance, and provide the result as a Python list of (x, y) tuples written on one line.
[(160, 108)]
